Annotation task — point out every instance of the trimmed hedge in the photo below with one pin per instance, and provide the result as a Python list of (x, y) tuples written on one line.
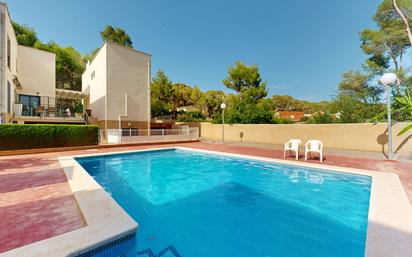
[(19, 136)]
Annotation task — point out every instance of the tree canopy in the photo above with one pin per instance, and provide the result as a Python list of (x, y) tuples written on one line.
[(358, 97), (116, 35), (25, 35), (69, 62)]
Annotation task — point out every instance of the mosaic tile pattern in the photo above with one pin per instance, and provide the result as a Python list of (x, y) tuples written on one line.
[(118, 248)]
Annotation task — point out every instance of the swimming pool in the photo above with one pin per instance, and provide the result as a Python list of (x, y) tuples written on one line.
[(189, 203)]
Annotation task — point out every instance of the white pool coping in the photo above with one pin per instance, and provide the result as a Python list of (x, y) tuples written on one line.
[(389, 232)]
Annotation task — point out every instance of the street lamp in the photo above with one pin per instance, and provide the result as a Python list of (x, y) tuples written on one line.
[(223, 106), (389, 79)]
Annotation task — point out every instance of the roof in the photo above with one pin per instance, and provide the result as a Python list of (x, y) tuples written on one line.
[(116, 44), (33, 48)]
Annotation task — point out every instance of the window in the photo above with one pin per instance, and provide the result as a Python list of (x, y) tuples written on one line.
[(130, 132), (8, 97), (93, 75), (8, 52), (30, 104)]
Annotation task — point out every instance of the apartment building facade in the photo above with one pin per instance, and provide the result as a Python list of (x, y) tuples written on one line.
[(117, 84)]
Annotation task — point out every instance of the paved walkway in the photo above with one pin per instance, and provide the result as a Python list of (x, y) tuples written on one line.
[(36, 202)]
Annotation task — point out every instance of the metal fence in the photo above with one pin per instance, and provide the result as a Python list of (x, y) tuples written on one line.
[(134, 135)]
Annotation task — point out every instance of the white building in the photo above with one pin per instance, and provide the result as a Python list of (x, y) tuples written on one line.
[(28, 81), (117, 82), (116, 85)]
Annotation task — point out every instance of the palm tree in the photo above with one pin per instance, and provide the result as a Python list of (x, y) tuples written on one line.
[(405, 102)]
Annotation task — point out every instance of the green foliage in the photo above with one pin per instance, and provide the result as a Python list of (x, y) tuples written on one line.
[(69, 65), (405, 129), (360, 93), (116, 35), (288, 103), (161, 91), (389, 41), (213, 99), (13, 136), (190, 117), (69, 62), (356, 85), (405, 107), (167, 96), (279, 120), (25, 35), (78, 108), (241, 76), (351, 110), (321, 118), (246, 80), (242, 111)]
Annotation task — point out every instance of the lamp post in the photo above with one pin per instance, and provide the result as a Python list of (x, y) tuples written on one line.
[(389, 79), (223, 106)]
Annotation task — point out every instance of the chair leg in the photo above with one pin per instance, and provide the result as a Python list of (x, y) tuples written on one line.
[(321, 157), (297, 155), (284, 154), (306, 156)]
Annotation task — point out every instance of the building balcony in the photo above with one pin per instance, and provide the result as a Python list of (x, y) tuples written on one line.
[(44, 113)]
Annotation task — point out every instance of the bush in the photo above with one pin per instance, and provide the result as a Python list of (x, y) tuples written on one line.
[(278, 120), (243, 112), (190, 117), (321, 118), (16, 136)]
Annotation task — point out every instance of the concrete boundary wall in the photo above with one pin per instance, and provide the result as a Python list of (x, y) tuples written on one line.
[(361, 137)]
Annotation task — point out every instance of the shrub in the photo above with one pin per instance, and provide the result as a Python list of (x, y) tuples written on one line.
[(190, 117), (279, 120), (16, 136), (321, 118), (244, 112)]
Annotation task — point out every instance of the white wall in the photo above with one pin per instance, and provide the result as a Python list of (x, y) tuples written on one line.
[(96, 87), (8, 72), (128, 72), (36, 71)]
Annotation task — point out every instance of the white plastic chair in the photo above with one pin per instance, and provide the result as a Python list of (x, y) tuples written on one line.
[(292, 145), (314, 146)]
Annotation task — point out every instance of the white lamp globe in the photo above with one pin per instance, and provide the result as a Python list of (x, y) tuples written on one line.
[(223, 106), (389, 79)]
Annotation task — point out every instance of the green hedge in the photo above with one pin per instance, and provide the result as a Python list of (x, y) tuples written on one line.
[(16, 136)]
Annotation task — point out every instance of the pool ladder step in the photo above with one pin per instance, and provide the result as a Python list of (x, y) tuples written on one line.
[(149, 252)]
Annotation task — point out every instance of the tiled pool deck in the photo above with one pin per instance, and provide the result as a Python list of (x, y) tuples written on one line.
[(36, 201)]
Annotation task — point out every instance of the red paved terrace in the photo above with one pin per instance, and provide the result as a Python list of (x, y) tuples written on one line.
[(36, 202)]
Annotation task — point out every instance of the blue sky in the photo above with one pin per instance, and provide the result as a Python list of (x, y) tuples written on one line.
[(301, 46)]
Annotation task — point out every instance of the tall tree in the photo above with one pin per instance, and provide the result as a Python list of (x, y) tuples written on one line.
[(389, 41), (161, 91), (116, 35), (406, 6), (246, 80), (356, 84), (213, 99)]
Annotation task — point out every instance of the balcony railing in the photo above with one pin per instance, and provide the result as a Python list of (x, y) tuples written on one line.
[(43, 110)]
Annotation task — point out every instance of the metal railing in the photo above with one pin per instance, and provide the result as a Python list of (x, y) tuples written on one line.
[(43, 110), (134, 135)]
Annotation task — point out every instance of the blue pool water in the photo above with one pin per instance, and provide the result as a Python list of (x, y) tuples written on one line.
[(193, 204)]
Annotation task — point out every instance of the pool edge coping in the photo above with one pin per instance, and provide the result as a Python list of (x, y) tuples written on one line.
[(388, 208), (105, 219)]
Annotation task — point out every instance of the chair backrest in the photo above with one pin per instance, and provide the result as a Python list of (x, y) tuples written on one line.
[(314, 145), (294, 143)]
